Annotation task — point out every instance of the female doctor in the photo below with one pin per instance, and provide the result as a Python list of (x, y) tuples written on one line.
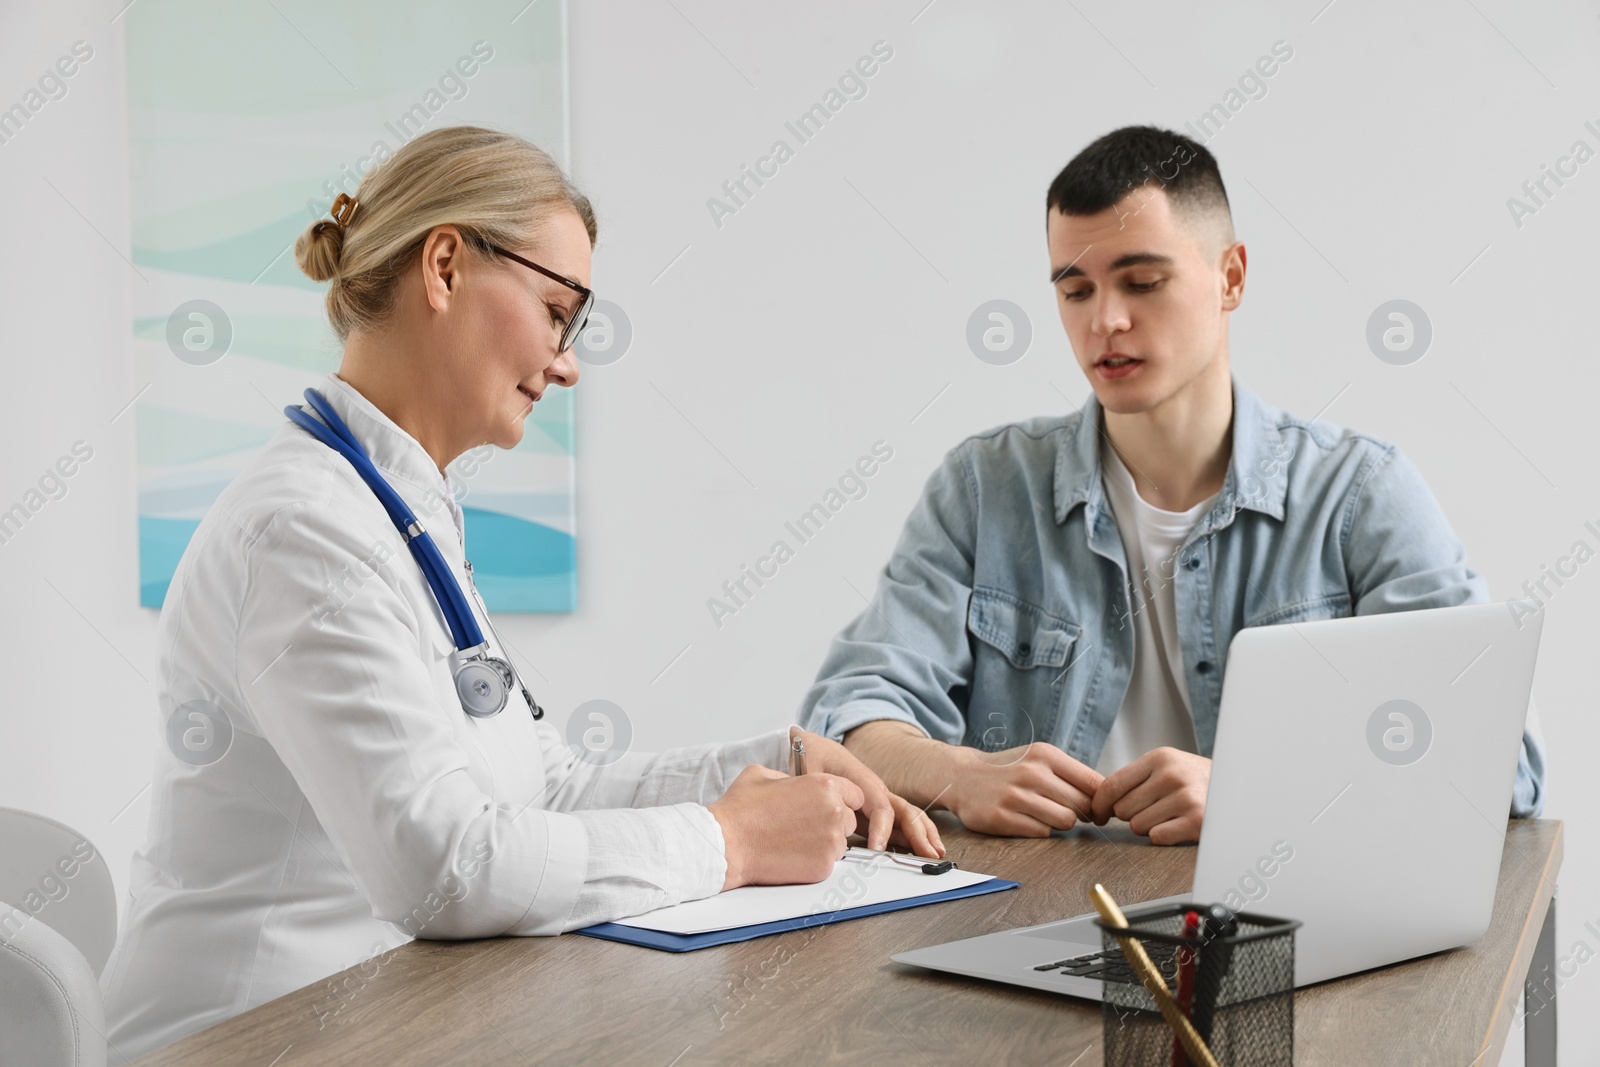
[(385, 773)]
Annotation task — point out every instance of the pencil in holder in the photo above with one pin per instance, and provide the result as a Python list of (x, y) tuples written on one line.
[(1238, 991)]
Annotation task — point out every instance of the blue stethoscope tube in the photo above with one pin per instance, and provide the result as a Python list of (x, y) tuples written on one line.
[(482, 681)]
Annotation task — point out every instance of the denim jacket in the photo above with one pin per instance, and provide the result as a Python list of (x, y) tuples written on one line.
[(1004, 615)]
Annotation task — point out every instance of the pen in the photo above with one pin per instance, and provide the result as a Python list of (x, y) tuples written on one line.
[(1142, 966), (1186, 954), (1217, 924), (797, 756)]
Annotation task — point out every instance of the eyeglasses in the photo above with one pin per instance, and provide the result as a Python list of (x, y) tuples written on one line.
[(580, 318), (872, 856)]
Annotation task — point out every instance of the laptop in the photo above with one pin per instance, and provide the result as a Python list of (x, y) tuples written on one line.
[(1361, 780)]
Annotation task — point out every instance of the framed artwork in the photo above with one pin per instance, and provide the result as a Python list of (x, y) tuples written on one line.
[(246, 120)]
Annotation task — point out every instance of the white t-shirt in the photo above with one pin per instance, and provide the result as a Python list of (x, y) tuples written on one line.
[(1155, 710)]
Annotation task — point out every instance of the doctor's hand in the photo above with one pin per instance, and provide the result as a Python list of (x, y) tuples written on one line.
[(884, 819), (778, 830), (1025, 791), (1161, 795)]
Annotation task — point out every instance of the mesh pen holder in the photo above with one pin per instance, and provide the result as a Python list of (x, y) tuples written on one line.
[(1242, 998)]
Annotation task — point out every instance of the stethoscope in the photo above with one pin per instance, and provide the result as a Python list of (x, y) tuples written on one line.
[(482, 681)]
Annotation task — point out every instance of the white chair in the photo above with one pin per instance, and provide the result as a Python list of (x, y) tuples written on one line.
[(58, 923)]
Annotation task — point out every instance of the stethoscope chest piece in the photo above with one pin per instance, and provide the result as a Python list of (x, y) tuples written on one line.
[(482, 683)]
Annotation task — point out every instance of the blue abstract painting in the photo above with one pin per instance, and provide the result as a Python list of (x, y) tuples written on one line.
[(246, 120)]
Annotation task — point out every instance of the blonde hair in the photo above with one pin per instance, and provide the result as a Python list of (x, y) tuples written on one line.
[(496, 187)]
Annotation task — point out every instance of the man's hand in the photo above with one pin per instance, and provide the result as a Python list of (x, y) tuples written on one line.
[(884, 817), (1016, 792), (1022, 792), (1161, 795)]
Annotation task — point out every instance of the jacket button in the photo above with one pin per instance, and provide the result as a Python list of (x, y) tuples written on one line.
[(1204, 666), (1024, 650), (1194, 561)]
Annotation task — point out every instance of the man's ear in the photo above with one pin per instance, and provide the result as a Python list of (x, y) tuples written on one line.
[(1234, 263)]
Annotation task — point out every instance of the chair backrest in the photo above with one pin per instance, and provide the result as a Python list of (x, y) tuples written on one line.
[(51, 1012), (51, 873)]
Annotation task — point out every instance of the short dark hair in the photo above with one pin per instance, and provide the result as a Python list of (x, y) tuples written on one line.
[(1134, 156)]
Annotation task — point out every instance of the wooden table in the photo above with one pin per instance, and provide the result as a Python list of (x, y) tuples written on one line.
[(830, 994)]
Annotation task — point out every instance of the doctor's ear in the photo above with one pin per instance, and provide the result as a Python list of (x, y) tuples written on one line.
[(442, 251)]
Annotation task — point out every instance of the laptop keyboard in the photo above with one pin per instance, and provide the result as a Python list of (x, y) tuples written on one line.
[(1112, 967)]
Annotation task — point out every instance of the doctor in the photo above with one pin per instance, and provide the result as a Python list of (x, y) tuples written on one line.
[(386, 777)]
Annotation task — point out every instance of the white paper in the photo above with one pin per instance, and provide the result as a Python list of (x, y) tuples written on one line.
[(853, 884)]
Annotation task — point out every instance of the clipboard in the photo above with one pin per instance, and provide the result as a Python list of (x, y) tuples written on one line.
[(634, 935)]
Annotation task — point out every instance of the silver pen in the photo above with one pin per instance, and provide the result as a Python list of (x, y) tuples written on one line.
[(797, 756)]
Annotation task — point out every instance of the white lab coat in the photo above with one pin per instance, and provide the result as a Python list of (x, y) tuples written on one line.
[(357, 804)]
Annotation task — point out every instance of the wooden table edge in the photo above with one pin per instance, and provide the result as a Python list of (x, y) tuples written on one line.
[(1494, 1041)]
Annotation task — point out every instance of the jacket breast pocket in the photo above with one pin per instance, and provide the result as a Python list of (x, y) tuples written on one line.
[(1025, 634), (1309, 608)]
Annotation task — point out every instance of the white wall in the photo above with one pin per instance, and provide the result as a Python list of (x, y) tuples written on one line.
[(831, 309)]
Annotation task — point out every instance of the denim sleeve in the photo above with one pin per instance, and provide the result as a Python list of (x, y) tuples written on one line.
[(1527, 796), (1401, 555), (900, 658)]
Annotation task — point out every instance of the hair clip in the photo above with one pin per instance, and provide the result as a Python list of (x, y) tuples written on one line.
[(346, 204)]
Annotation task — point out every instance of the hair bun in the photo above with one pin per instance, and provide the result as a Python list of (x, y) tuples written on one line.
[(317, 249)]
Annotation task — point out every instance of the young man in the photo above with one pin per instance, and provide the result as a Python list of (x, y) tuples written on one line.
[(1047, 641)]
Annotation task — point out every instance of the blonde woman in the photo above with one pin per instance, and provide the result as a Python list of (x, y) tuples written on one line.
[(387, 774)]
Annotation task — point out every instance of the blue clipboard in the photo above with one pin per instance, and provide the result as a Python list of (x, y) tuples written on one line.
[(633, 935)]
